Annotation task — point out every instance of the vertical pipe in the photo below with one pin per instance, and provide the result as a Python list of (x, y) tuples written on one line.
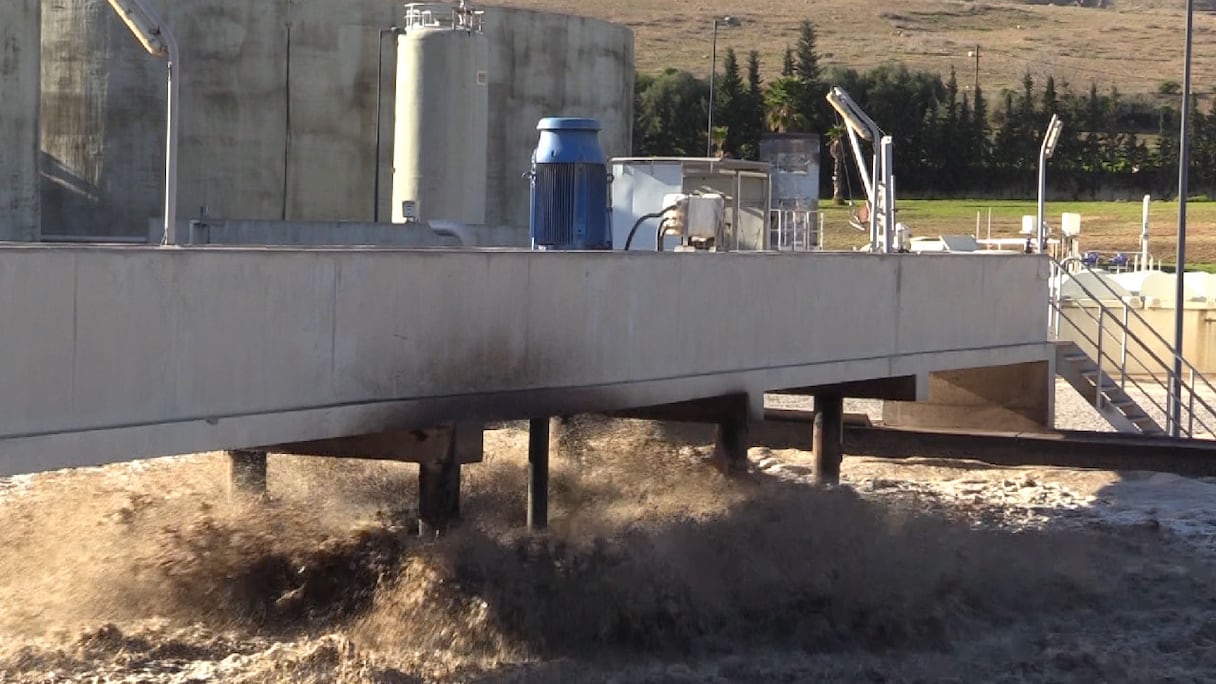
[(1184, 160), (713, 72), (538, 473), (379, 116), (171, 136), (379, 102), (1039, 210)]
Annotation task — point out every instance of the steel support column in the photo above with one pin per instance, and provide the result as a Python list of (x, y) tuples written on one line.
[(828, 441), (538, 473)]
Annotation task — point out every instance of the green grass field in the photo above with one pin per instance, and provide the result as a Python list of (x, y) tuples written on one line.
[(1104, 225)]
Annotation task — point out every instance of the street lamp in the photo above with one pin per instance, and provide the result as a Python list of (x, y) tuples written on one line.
[(976, 54), (713, 72), (1049, 147), (1184, 161), (158, 40)]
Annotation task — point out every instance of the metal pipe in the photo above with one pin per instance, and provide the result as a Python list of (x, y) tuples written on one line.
[(713, 73), (1184, 160), (174, 75), (379, 99), (1045, 152), (158, 40)]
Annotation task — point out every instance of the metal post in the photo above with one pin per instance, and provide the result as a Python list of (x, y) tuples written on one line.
[(1101, 334), (827, 440), (1123, 352), (1144, 235), (172, 98), (538, 473), (1045, 152), (1184, 160), (1190, 420), (977, 68), (713, 72)]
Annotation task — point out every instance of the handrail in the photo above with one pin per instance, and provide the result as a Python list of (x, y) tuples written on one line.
[(1060, 269), (1191, 415), (1140, 318), (1135, 383)]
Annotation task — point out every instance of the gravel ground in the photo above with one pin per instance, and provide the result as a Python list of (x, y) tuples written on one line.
[(656, 569)]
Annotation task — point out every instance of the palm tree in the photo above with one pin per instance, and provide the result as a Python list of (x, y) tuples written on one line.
[(836, 149), (781, 100)]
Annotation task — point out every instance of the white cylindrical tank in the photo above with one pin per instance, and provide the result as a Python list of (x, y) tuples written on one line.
[(441, 115)]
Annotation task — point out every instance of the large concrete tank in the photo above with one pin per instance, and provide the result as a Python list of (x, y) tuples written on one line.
[(19, 119), (439, 147), (277, 113)]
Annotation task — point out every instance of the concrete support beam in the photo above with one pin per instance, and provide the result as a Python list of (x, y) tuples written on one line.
[(1017, 397), (538, 473), (828, 439), (246, 473)]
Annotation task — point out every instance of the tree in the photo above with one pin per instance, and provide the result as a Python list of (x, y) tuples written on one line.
[(753, 124), (671, 113), (731, 106), (836, 135), (806, 67), (787, 64), (782, 98)]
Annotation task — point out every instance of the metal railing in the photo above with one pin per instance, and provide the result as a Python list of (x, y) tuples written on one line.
[(1130, 347)]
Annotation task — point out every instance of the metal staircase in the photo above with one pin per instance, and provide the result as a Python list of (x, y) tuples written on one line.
[(1100, 389), (1095, 346)]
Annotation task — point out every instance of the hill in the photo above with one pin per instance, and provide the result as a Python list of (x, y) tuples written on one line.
[(1135, 45)]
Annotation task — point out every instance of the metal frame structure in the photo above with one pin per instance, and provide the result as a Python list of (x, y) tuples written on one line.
[(879, 183)]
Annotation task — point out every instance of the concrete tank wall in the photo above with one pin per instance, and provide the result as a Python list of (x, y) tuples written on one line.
[(279, 109), (19, 207), (544, 64)]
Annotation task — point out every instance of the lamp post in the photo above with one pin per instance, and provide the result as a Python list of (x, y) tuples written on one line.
[(713, 72), (158, 40), (1184, 159), (1049, 147), (976, 54)]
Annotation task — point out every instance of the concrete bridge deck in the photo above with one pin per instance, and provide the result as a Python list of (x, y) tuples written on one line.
[(118, 353)]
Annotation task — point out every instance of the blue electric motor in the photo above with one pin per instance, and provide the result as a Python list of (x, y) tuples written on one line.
[(570, 186)]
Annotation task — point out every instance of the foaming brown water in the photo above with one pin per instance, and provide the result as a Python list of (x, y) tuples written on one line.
[(651, 552)]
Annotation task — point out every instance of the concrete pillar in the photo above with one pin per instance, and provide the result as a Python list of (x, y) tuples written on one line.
[(1017, 397), (828, 441), (20, 88), (538, 473), (246, 473)]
